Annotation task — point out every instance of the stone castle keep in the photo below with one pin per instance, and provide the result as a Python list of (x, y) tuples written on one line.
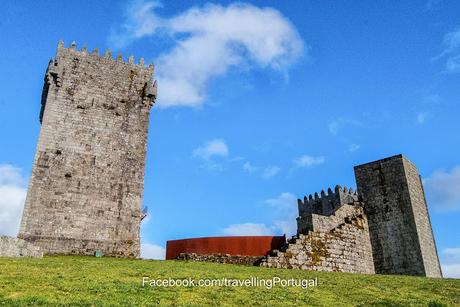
[(85, 192), (382, 228)]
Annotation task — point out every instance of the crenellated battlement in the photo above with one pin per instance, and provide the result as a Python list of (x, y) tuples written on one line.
[(85, 193), (326, 203), (317, 209), (106, 56), (71, 61)]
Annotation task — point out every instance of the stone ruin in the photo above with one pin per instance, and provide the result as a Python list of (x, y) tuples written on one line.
[(332, 235), (382, 228), (85, 193), (14, 247), (221, 258)]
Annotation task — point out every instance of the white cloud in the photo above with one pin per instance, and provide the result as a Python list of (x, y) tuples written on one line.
[(285, 206), (451, 52), (208, 41), (12, 197), (248, 167), (287, 227), (284, 222), (353, 147), (432, 4), (308, 161), (216, 147), (452, 252), (212, 166), (453, 64), (451, 42), (451, 264), (248, 229), (284, 200), (451, 270), (152, 251), (336, 125), (421, 117), (209, 154), (11, 176), (443, 189), (333, 127), (270, 171), (431, 99), (140, 21)]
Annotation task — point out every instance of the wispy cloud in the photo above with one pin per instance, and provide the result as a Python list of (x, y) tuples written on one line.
[(451, 52), (452, 252), (248, 229), (333, 127), (443, 189), (12, 196), (270, 171), (284, 200), (214, 155), (152, 251), (336, 125), (140, 21), (451, 262), (248, 167), (216, 147), (284, 208), (432, 4), (309, 161), (208, 41), (421, 117), (210, 153), (353, 147), (431, 99)]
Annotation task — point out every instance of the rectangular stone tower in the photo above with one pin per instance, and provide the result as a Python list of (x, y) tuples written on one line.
[(399, 226), (85, 193)]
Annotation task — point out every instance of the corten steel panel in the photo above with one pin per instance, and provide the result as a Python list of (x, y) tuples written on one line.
[(243, 246)]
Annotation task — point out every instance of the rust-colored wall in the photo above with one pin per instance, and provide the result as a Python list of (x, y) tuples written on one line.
[(244, 246)]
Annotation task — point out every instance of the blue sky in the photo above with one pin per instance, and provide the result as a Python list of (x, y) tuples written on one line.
[(259, 103)]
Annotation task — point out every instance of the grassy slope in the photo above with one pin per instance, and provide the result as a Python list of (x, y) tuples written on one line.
[(109, 281)]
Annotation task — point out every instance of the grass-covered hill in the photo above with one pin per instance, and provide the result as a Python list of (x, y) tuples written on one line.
[(68, 280)]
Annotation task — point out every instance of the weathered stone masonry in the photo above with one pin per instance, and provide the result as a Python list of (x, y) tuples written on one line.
[(85, 193), (332, 236), (399, 224), (221, 258), (384, 228), (14, 247)]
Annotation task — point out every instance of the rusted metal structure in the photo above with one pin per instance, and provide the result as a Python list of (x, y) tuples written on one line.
[(241, 246)]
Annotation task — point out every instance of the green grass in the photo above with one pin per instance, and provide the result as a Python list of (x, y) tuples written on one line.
[(69, 280)]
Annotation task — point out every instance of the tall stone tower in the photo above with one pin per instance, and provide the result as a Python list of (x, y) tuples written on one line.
[(85, 193), (399, 226)]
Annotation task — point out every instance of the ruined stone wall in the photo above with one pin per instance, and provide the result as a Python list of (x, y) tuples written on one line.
[(345, 248), (312, 209), (221, 258), (399, 226), (384, 228), (14, 247), (322, 223), (85, 193)]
